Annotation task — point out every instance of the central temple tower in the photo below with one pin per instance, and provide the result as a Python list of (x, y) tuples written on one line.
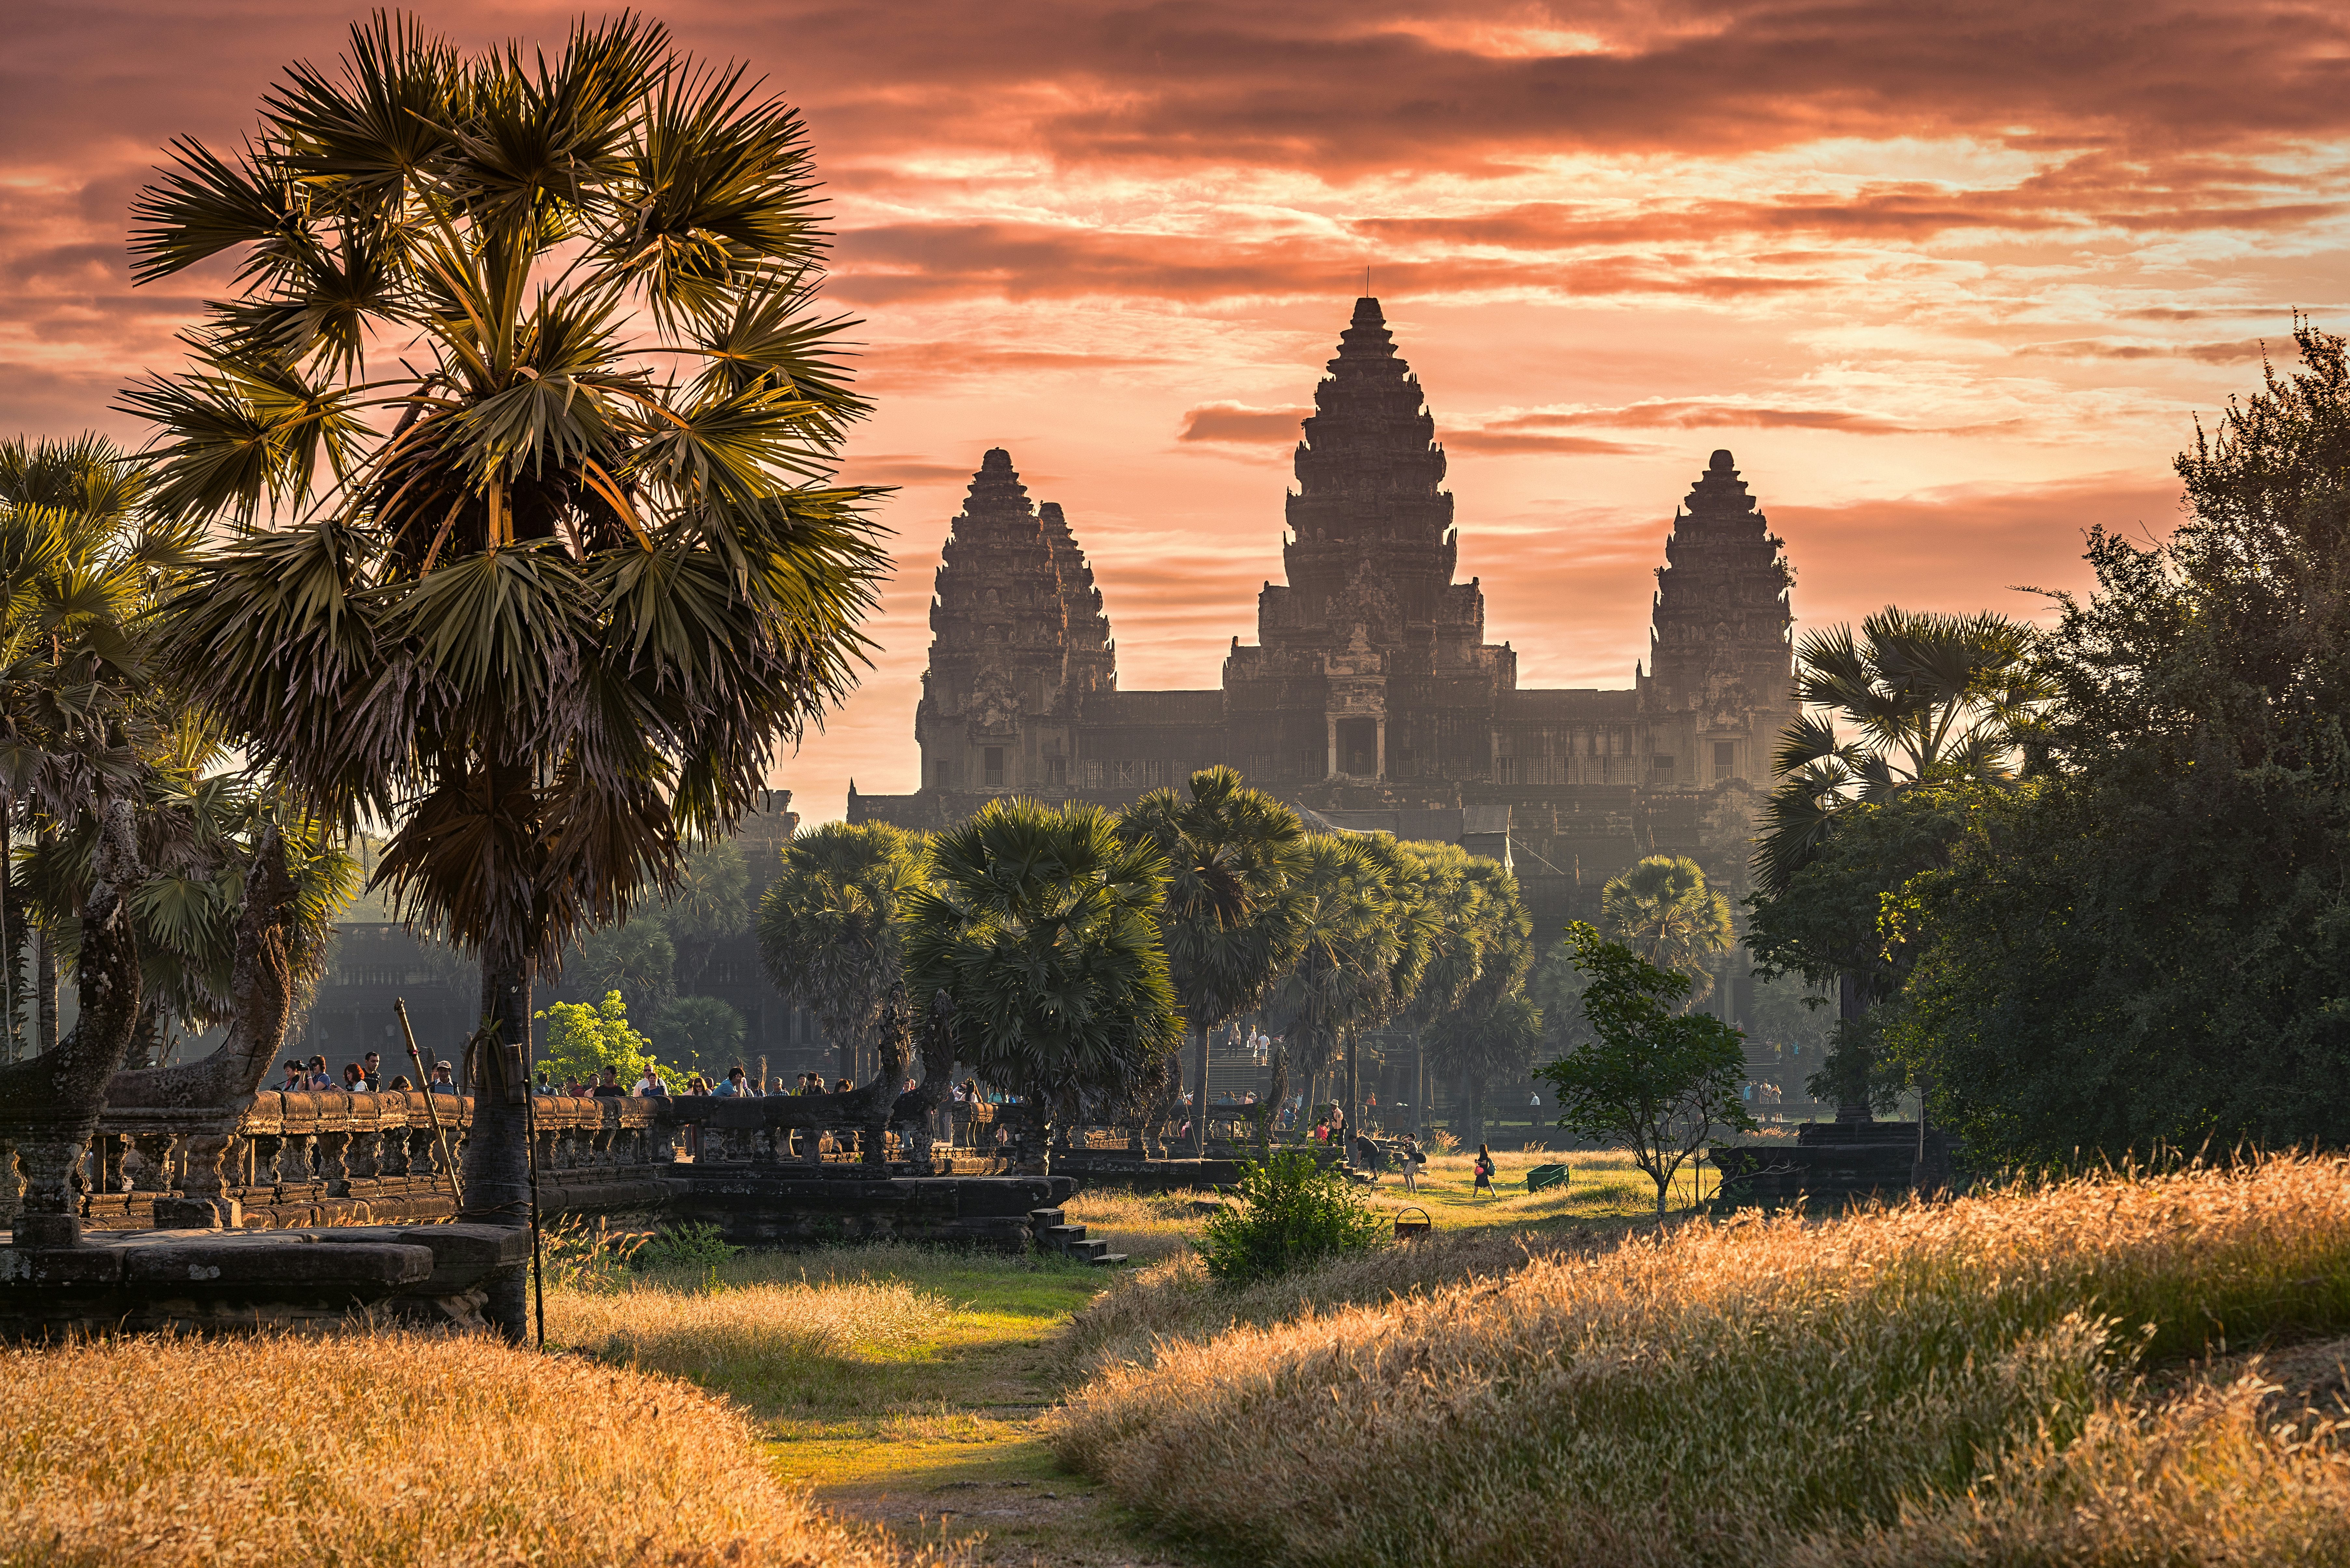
[(1371, 663)]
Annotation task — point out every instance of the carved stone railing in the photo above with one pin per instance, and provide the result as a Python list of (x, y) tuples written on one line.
[(331, 1159)]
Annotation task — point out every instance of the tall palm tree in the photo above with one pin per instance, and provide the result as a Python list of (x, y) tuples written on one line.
[(200, 838), (1042, 926), (1915, 699), (1662, 909), (1478, 1034), (1419, 928), (1229, 920), (831, 925), (1455, 895), (1346, 960), (558, 618), (81, 708)]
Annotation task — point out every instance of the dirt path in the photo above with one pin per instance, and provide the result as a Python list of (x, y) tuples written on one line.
[(971, 1470)]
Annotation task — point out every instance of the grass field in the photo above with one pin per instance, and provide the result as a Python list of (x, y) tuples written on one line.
[(1547, 1378)]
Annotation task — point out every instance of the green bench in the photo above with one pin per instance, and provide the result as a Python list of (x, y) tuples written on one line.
[(1542, 1176)]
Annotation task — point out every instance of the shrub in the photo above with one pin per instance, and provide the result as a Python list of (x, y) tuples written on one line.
[(1293, 1212), (683, 1247)]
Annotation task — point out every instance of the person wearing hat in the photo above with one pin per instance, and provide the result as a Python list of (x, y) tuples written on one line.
[(444, 1079)]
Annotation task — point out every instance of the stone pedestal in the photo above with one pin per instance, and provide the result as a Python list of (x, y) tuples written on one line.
[(1832, 1164)]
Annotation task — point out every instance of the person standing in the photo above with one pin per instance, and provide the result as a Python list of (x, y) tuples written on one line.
[(1412, 1160), (1484, 1182), (372, 1065)]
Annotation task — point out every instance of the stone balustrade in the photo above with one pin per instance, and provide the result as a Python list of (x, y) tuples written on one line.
[(290, 1159)]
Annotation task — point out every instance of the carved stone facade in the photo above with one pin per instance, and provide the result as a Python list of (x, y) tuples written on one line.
[(1371, 697)]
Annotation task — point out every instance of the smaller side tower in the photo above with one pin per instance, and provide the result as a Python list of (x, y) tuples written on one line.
[(1721, 680), (1018, 636)]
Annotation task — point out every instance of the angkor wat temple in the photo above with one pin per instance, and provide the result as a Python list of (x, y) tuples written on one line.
[(1371, 698)]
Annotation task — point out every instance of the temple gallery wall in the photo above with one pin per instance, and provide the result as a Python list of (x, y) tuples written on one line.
[(1371, 697)]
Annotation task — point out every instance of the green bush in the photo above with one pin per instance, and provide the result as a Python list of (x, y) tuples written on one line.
[(1293, 1212), (683, 1247)]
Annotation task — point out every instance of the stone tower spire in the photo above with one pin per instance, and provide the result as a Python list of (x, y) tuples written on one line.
[(1014, 599), (1721, 672), (1093, 659)]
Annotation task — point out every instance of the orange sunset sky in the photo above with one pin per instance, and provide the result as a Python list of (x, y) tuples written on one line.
[(1951, 280)]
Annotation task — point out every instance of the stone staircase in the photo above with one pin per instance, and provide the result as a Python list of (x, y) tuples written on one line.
[(1054, 1235)]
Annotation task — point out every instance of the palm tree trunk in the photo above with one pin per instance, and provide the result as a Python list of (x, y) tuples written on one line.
[(1354, 1092), (12, 940), (1852, 1088), (497, 1148), (45, 993), (1200, 1099)]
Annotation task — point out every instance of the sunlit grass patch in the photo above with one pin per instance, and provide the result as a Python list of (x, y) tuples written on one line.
[(1145, 1226), (383, 1449)]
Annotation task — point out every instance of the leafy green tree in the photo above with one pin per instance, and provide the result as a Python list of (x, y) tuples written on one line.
[(1230, 919), (1662, 909), (830, 927), (580, 1040), (1655, 1079), (1042, 925), (2147, 948), (558, 619), (703, 1032), (1915, 700)]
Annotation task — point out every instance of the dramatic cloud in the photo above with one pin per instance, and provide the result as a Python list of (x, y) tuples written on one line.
[(1952, 279), (1238, 423)]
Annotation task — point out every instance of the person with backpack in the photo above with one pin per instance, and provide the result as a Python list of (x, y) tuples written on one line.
[(1484, 1182), (1412, 1160)]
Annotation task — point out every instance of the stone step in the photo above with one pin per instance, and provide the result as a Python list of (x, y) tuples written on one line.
[(1061, 1235), (1041, 1217), (1107, 1260), (1086, 1251)]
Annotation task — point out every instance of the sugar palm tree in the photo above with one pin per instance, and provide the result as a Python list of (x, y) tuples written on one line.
[(1417, 929), (1478, 1034), (81, 569), (1455, 896), (1229, 920), (1662, 909), (1352, 943), (557, 620), (1042, 926), (831, 925), (1914, 700)]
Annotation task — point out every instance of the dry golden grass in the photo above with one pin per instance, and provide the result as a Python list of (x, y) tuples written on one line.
[(1145, 1226), (1142, 1315), (1766, 1391), (2223, 1475), (302, 1451)]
